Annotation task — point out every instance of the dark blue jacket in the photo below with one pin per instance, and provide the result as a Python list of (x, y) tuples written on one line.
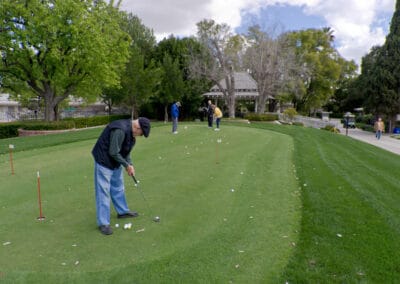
[(174, 110), (100, 150)]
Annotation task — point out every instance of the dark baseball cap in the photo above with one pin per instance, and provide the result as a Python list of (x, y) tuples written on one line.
[(145, 125)]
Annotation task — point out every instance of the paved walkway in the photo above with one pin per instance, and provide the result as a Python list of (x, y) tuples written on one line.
[(386, 142)]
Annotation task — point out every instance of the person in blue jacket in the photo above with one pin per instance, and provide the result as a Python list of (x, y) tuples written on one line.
[(175, 115)]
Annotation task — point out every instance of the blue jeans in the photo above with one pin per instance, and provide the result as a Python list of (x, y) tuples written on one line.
[(217, 121), (378, 134), (109, 183), (174, 124)]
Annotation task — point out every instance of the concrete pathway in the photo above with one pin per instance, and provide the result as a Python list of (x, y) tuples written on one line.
[(386, 142)]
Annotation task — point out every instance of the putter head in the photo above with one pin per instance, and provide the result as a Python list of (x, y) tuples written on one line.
[(135, 181), (156, 219)]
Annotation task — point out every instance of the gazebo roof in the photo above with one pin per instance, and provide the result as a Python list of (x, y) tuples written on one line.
[(245, 87)]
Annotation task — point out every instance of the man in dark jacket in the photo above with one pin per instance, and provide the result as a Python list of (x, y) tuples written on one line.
[(210, 114), (112, 151)]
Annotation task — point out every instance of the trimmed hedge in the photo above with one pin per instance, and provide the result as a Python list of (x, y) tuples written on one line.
[(10, 129), (261, 117)]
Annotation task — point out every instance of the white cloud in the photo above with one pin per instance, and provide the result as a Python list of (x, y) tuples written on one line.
[(355, 22)]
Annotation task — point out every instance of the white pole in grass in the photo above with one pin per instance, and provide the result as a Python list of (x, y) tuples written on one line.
[(11, 147), (217, 151), (41, 217)]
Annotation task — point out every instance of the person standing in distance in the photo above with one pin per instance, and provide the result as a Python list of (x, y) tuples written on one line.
[(112, 152), (175, 115), (210, 114), (379, 128), (218, 116)]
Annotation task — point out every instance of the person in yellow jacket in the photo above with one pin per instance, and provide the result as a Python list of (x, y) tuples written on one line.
[(217, 115), (379, 128)]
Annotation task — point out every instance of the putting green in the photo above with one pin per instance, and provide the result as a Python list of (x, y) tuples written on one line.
[(228, 201)]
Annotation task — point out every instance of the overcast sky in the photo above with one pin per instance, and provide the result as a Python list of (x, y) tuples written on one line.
[(358, 24)]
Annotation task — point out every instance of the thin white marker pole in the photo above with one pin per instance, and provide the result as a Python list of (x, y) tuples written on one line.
[(11, 147), (41, 217)]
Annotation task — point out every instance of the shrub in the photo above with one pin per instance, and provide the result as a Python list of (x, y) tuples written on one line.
[(8, 130), (331, 128), (261, 117), (366, 127), (290, 113)]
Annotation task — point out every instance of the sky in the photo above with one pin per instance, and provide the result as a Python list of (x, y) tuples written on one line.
[(357, 24)]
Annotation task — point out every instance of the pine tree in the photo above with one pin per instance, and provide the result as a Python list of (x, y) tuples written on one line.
[(389, 64), (382, 79)]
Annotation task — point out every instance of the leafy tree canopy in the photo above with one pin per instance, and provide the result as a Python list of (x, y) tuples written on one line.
[(56, 48)]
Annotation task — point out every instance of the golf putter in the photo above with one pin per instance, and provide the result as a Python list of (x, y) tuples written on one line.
[(155, 219)]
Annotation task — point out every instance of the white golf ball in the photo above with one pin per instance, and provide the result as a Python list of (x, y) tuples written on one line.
[(116, 225)]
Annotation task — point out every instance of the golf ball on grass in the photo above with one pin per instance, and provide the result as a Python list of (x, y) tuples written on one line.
[(128, 226), (156, 219)]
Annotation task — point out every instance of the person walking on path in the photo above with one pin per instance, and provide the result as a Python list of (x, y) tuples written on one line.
[(218, 116), (175, 116), (210, 114), (112, 152), (379, 128)]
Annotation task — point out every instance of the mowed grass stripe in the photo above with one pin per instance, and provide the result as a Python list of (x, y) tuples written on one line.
[(207, 232), (349, 231)]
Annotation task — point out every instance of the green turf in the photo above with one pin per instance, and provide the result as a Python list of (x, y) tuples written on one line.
[(207, 234), (308, 206), (351, 215)]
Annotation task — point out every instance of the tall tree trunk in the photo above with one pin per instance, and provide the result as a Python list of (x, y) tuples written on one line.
[(230, 85), (49, 108), (165, 114)]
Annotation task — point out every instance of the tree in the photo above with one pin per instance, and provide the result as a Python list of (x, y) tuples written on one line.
[(346, 96), (140, 81), (318, 67), (221, 56), (266, 60), (140, 75), (381, 74), (60, 48), (171, 87)]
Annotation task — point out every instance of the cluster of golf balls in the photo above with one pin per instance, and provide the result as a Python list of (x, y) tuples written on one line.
[(128, 226)]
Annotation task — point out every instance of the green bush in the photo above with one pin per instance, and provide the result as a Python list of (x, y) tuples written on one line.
[(261, 117), (40, 125), (290, 113), (366, 127), (8, 130), (331, 128)]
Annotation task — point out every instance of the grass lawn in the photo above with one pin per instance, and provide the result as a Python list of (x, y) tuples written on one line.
[(350, 226), (229, 202)]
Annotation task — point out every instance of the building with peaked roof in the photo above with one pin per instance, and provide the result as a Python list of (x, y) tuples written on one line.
[(245, 88)]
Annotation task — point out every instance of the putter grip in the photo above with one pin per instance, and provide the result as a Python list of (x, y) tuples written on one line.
[(134, 179)]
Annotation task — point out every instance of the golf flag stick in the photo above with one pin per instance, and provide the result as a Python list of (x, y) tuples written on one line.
[(41, 217), (217, 151), (11, 147)]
